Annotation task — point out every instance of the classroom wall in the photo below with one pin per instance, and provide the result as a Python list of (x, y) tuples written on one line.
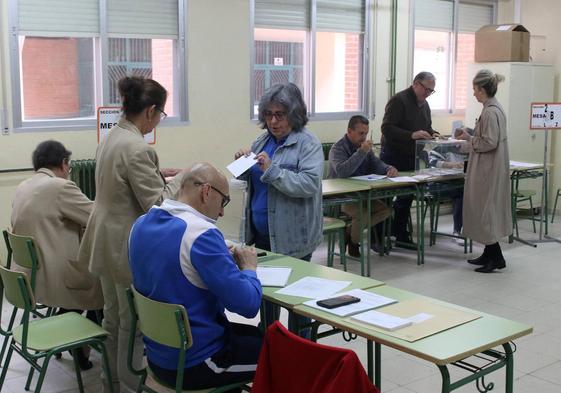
[(218, 61)]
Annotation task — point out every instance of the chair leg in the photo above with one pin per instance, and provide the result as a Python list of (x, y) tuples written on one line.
[(7, 337), (74, 353), (342, 251), (29, 378), (532, 212), (6, 363), (555, 205), (106, 368), (42, 374), (329, 250)]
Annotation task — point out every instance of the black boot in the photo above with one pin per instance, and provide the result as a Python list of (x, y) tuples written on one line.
[(495, 259), (377, 239), (481, 260)]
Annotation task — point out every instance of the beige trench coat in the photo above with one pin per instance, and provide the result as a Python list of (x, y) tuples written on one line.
[(54, 211), (128, 183), (487, 211)]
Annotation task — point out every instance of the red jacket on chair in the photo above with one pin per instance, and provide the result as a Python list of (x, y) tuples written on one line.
[(291, 364)]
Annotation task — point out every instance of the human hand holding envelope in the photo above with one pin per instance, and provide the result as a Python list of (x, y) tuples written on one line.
[(242, 164)]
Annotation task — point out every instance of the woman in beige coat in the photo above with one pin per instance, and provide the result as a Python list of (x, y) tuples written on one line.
[(53, 210), (486, 212), (128, 183)]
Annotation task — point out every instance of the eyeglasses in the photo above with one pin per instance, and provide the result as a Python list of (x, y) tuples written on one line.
[(280, 116), (225, 198), (428, 90), (163, 114)]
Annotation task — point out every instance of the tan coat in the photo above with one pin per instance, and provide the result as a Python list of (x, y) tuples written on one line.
[(487, 211), (128, 183), (54, 211)]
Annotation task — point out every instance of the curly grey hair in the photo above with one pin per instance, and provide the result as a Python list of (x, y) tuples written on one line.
[(289, 96)]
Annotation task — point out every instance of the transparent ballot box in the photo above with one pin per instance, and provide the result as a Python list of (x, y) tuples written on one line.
[(232, 224), (440, 157)]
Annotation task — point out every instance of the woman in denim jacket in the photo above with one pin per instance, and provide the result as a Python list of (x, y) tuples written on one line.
[(284, 204)]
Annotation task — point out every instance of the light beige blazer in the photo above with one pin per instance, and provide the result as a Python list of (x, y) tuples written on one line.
[(54, 211), (128, 183)]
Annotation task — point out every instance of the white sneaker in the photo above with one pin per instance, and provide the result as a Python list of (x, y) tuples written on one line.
[(458, 240)]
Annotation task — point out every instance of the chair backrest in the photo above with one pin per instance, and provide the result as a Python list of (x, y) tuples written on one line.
[(17, 289), (164, 323), (327, 369), (24, 251)]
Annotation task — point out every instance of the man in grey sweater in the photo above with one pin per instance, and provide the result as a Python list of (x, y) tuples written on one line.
[(352, 155)]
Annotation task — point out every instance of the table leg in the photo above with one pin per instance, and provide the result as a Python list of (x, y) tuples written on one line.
[(420, 229), (509, 360), (445, 379), (369, 356), (368, 233), (378, 365)]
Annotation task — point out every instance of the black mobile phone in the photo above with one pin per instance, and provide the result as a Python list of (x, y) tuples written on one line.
[(262, 254), (338, 301)]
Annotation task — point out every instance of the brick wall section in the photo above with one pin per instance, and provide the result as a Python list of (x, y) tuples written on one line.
[(352, 71), (162, 69), (466, 50), (50, 78)]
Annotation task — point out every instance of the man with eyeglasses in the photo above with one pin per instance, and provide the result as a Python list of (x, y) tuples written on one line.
[(178, 255), (407, 118)]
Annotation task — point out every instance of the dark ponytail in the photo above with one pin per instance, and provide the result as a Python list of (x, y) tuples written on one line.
[(138, 93)]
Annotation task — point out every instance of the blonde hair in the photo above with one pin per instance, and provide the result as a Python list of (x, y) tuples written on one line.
[(488, 81)]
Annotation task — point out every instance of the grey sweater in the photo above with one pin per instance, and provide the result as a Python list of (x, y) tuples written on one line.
[(346, 160)]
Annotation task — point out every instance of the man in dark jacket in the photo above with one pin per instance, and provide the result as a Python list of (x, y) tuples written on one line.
[(407, 119)]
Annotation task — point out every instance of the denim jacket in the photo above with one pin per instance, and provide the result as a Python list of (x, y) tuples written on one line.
[(294, 194)]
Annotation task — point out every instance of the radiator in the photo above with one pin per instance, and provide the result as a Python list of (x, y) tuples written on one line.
[(83, 174)]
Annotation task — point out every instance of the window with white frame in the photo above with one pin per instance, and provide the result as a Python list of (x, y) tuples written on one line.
[(71, 54), (320, 45), (444, 44)]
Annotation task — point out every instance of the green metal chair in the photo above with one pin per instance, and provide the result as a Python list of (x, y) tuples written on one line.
[(22, 251), (166, 324), (335, 227), (44, 338)]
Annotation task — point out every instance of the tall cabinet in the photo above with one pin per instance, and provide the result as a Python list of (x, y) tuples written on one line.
[(524, 83)]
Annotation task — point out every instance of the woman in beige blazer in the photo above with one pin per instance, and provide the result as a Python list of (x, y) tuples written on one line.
[(53, 210), (128, 182), (487, 214)]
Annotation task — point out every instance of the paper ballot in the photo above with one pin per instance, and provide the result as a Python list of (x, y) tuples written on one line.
[(403, 179), (382, 320), (242, 164), (313, 287), (368, 301), (273, 276), (372, 177)]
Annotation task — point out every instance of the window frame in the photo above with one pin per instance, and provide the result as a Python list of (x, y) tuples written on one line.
[(310, 74), (100, 66), (451, 96)]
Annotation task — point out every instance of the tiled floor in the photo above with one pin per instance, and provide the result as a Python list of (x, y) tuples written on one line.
[(528, 290)]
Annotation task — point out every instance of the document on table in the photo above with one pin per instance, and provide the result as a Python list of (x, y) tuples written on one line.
[(403, 179), (271, 276), (372, 177), (313, 287), (382, 320), (528, 165), (242, 164), (368, 301)]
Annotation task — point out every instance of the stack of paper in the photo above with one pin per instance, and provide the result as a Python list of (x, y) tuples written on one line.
[(382, 320), (273, 276), (368, 301), (403, 179), (372, 177), (313, 287)]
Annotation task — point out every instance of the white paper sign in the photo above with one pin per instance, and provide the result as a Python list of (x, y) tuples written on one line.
[(108, 116), (545, 115)]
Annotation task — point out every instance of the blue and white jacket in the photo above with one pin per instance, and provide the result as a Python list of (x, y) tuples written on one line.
[(178, 255)]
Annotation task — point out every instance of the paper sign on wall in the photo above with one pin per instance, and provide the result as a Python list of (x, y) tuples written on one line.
[(545, 116), (108, 116)]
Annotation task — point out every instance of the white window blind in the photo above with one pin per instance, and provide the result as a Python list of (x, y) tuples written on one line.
[(434, 15), (340, 15), (142, 18), (473, 16), (58, 17), (282, 14)]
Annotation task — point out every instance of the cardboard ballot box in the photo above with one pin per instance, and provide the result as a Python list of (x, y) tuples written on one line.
[(506, 42)]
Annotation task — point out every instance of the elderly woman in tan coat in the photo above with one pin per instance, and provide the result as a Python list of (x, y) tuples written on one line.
[(128, 183), (53, 210), (487, 210)]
